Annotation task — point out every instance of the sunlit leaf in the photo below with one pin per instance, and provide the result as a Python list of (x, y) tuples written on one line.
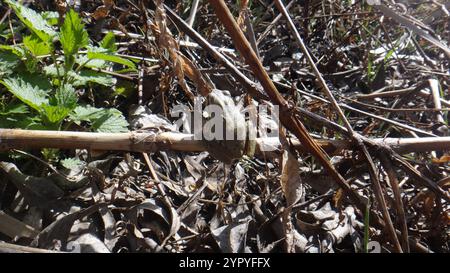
[(28, 89), (36, 46), (111, 58), (8, 61), (71, 163), (54, 113), (109, 42), (33, 20), (66, 97), (83, 77), (112, 121), (102, 120), (73, 36), (14, 108)]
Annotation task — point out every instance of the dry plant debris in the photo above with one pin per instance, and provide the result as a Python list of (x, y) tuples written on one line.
[(94, 94)]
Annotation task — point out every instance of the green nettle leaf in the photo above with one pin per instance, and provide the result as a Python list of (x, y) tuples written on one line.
[(14, 115), (26, 88), (16, 50), (71, 163), (51, 71), (90, 63), (51, 17), (64, 101), (66, 97), (112, 121), (38, 80), (109, 42), (124, 88), (14, 109), (86, 76), (8, 62), (102, 120), (83, 77), (21, 121), (33, 20), (36, 46), (73, 36), (111, 58), (31, 63), (85, 113), (54, 113)]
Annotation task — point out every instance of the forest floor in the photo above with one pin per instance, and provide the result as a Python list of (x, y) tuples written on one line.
[(341, 106)]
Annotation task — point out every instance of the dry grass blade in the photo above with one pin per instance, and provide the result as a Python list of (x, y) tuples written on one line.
[(291, 182), (192, 72), (393, 181), (247, 83), (410, 25), (166, 41)]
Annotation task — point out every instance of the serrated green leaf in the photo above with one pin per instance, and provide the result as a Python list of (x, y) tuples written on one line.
[(66, 97), (17, 50), (109, 42), (59, 107), (8, 61), (111, 58), (73, 36), (14, 109), (102, 120), (14, 115), (111, 122), (54, 113), (36, 46), (83, 77), (31, 63), (38, 80), (33, 20), (21, 121), (51, 17), (124, 88), (86, 113), (90, 63), (86, 76), (51, 71), (71, 163), (27, 89)]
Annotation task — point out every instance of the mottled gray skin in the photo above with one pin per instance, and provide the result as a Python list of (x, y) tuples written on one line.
[(234, 121)]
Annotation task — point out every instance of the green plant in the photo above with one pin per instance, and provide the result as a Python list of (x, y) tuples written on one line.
[(45, 71)]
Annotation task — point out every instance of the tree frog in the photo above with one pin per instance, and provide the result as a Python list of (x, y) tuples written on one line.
[(235, 141)]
